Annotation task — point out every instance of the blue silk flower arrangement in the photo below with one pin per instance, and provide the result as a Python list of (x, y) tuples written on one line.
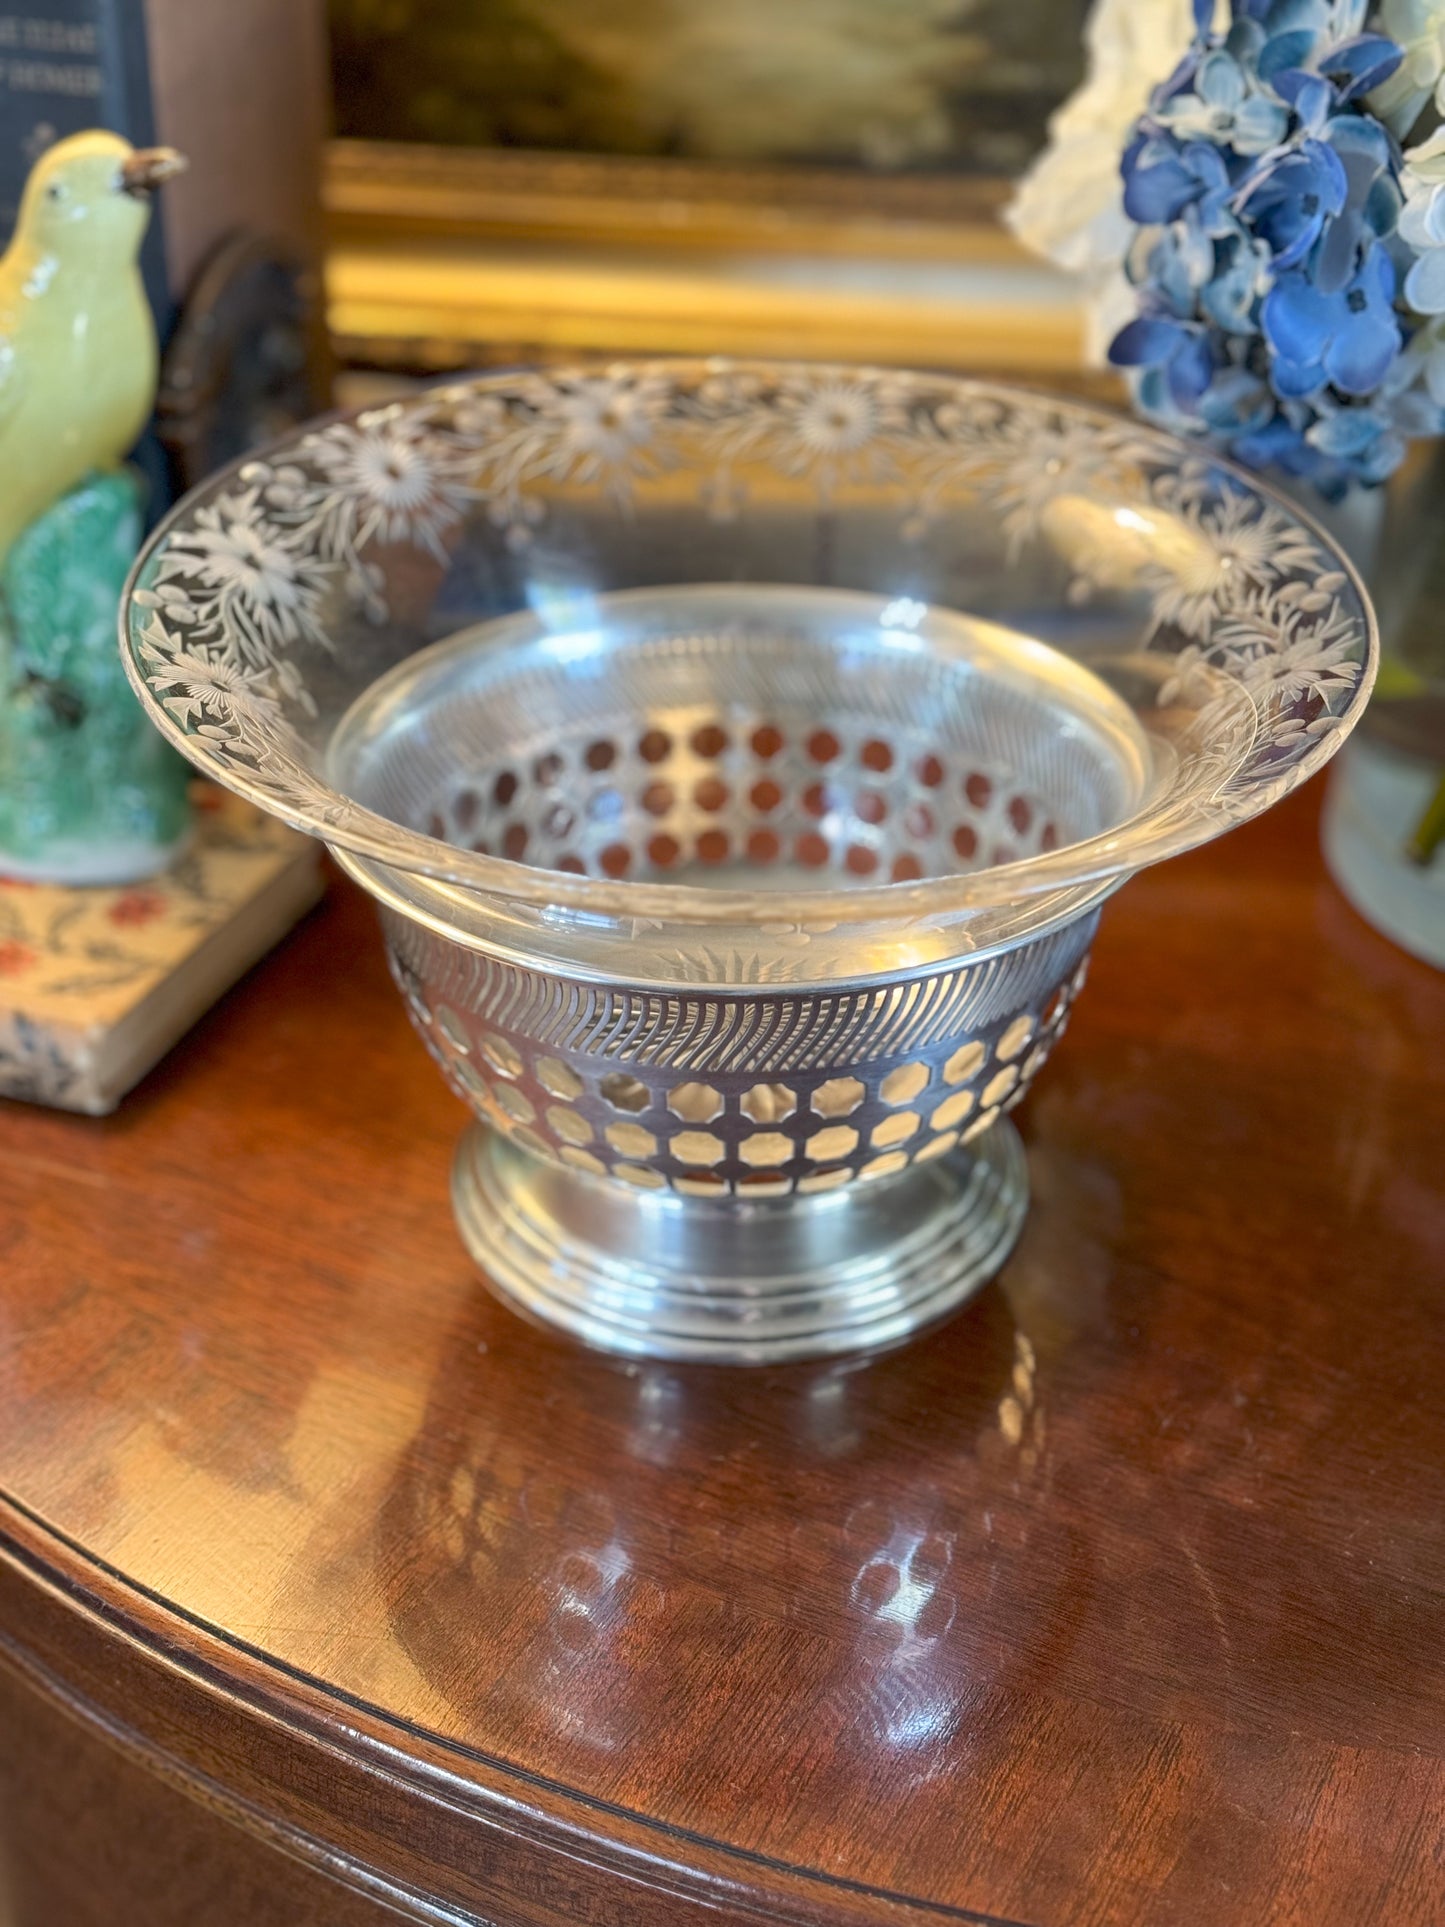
[(1286, 257)]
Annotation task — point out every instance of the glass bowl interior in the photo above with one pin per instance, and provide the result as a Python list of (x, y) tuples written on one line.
[(668, 642), (768, 738)]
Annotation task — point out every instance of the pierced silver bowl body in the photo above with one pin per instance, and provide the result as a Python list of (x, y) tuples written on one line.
[(740, 758)]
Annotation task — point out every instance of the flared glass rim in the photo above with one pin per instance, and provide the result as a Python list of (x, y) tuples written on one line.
[(1158, 830)]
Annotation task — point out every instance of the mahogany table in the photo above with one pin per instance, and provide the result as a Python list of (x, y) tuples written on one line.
[(330, 1592)]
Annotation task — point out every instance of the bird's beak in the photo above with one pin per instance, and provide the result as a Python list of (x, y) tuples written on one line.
[(144, 170)]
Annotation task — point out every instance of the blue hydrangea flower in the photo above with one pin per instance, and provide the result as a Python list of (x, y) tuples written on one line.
[(1163, 176), (1176, 353), (1347, 338), (1272, 267), (1223, 105), (1288, 201), (1367, 441), (1242, 277), (1238, 402)]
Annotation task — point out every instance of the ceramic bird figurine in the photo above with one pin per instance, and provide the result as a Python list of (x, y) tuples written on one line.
[(87, 793), (77, 341)]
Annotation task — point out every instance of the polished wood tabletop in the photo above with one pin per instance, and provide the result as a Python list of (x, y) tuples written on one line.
[(331, 1591)]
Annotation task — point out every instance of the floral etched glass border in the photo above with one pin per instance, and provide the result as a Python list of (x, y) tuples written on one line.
[(271, 596)]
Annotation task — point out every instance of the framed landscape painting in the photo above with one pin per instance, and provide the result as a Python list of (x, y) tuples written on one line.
[(525, 178)]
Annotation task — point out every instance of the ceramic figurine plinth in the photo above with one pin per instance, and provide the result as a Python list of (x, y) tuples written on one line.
[(89, 793), (96, 984)]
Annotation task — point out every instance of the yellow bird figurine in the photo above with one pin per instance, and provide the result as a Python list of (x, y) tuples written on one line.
[(77, 341)]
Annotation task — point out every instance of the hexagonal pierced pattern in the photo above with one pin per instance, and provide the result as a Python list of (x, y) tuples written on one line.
[(1015, 1037), (965, 1063), (766, 1147), (896, 1129), (625, 1093), (583, 1160), (768, 1103), (825, 1180), (515, 1103), (698, 1147), (837, 1141), (473, 1084), (997, 1088), (952, 1110), (812, 1130), (633, 1140), (701, 1184), (569, 1125), (452, 1028), (502, 1056), (558, 1079), (695, 1103), (935, 1147), (641, 1176), (839, 1097), (904, 1084)]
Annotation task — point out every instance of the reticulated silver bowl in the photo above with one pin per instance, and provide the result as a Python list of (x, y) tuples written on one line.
[(740, 757)]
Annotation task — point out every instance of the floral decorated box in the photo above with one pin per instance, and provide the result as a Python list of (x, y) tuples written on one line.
[(97, 984)]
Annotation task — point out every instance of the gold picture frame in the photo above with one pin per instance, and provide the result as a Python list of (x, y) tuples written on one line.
[(445, 258)]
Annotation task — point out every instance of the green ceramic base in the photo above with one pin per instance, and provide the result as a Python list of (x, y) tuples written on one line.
[(88, 790)]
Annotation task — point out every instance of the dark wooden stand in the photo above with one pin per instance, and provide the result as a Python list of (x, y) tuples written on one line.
[(332, 1593)]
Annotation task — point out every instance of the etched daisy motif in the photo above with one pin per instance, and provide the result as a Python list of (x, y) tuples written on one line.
[(830, 428), (837, 429), (830, 420), (586, 429), (202, 690), (1237, 545), (1294, 663), (245, 577), (602, 424), (467, 416), (1310, 662), (1029, 460), (1249, 630), (387, 479), (1273, 642), (234, 709)]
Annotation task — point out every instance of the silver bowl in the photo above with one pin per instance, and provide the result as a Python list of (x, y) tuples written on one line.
[(740, 756)]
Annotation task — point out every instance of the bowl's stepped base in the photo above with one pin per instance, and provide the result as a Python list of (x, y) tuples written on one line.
[(660, 1276)]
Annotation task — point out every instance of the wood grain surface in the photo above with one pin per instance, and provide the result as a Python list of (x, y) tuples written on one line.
[(331, 1591)]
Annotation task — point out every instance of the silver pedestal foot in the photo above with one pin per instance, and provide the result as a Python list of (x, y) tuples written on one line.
[(661, 1276)]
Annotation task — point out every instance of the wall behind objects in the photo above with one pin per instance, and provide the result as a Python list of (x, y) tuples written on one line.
[(240, 86)]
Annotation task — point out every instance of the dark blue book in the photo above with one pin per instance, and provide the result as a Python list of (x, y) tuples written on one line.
[(66, 65)]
